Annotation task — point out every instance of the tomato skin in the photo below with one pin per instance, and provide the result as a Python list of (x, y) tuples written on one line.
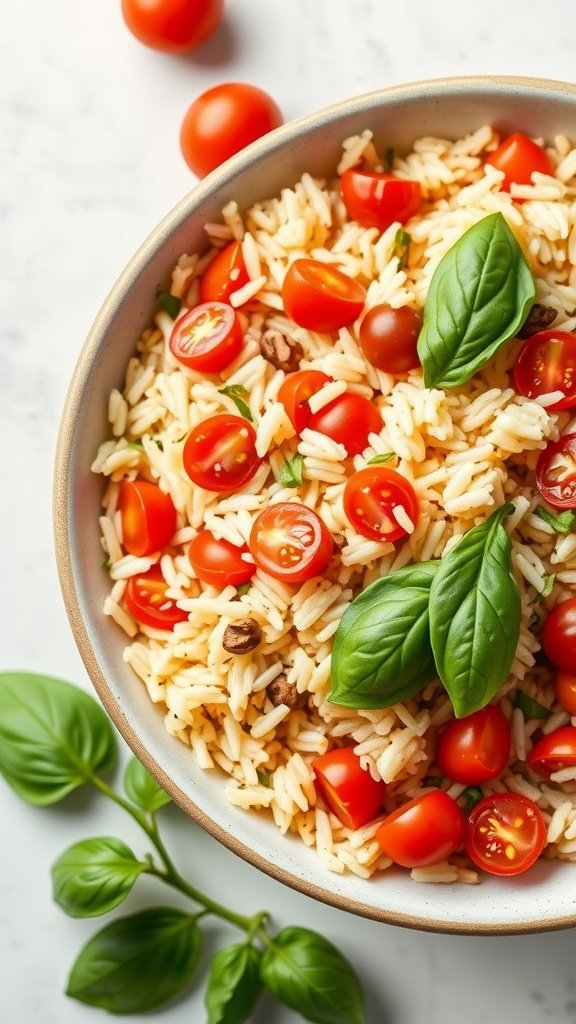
[(554, 751), (388, 338), (547, 362), (207, 338), (565, 689), (295, 391), (559, 635), (148, 517), (220, 453), (505, 834), (423, 832), (222, 121), (290, 542), (218, 562), (347, 788), (518, 156), (474, 749), (173, 26), (320, 297), (348, 420), (145, 599), (369, 496), (558, 493), (224, 275), (376, 200)]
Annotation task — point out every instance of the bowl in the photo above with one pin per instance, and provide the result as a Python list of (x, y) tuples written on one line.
[(544, 898)]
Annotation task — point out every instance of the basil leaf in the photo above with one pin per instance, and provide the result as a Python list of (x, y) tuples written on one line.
[(264, 777), (562, 523), (53, 737), (142, 789), (479, 296), (137, 963), (548, 586), (237, 392), (531, 708), (94, 876), (402, 244), (475, 615), (308, 974), (291, 472), (382, 652), (376, 460), (471, 796), (171, 303), (234, 984)]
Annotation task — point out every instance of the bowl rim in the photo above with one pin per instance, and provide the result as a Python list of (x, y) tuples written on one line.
[(290, 131)]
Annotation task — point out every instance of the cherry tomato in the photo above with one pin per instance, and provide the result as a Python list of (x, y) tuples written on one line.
[(224, 275), (559, 635), (518, 156), (220, 453), (505, 834), (207, 338), (320, 297), (388, 338), (476, 748), (146, 600), (565, 689), (148, 517), (295, 391), (222, 121), (377, 200), (554, 751), (174, 26), (371, 495), (422, 832), (347, 788), (556, 472), (348, 419), (290, 542), (218, 562), (547, 362)]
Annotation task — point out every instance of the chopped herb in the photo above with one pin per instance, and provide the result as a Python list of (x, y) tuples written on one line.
[(170, 303), (263, 777), (242, 589), (389, 157), (561, 523), (139, 445), (471, 795), (548, 584), (376, 460), (237, 392), (106, 564), (531, 708), (291, 472), (432, 780), (402, 244)]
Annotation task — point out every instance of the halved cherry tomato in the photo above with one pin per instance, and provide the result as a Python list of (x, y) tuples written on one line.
[(559, 635), (422, 832), (207, 338), (295, 391), (145, 598), (174, 26), (476, 748), (224, 275), (518, 156), (347, 788), (289, 541), (556, 472), (388, 338), (553, 752), (320, 297), (565, 689), (218, 562), (148, 517), (377, 200), (546, 363), (220, 453), (370, 497), (348, 420), (505, 834)]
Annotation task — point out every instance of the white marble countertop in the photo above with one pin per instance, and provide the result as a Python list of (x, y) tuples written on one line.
[(89, 123)]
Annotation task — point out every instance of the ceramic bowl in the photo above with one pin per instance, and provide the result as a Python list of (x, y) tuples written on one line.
[(545, 897)]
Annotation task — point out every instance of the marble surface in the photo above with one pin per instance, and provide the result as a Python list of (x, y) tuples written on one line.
[(89, 162)]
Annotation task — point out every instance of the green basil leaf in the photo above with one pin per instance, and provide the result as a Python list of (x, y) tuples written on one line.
[(470, 797), (479, 296), (376, 460), (53, 737), (291, 472), (142, 789), (234, 984), (531, 708), (402, 244), (308, 974), (138, 962), (237, 392), (548, 585), (382, 652), (561, 523), (171, 303), (475, 615), (94, 876)]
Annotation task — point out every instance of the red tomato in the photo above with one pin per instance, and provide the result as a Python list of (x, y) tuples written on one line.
[(559, 635), (348, 420), (388, 338), (173, 26), (290, 542), (476, 748), (518, 156), (220, 453), (224, 275), (207, 338), (295, 391), (377, 200), (148, 517), (218, 562), (347, 788), (547, 362), (553, 752), (556, 472), (145, 598), (422, 832), (371, 495), (565, 688), (505, 834), (222, 121), (320, 297)]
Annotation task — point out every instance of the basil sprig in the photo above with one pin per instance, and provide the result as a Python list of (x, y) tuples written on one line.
[(480, 295)]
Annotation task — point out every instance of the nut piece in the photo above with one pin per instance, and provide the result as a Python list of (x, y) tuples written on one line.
[(242, 637), (539, 318), (283, 352), (280, 691), (339, 541)]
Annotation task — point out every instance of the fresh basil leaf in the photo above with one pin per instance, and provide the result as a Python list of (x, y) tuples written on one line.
[(471, 796), (237, 392), (310, 975), (402, 245), (382, 652), (171, 303), (291, 472), (376, 460), (138, 962), (234, 984), (475, 615), (561, 523), (479, 296), (94, 876), (531, 708), (264, 777), (142, 789), (53, 737), (548, 585)]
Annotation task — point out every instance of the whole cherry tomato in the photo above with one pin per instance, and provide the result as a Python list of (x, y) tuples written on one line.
[(348, 420), (559, 635), (476, 748), (518, 156), (423, 832), (347, 788), (148, 517), (553, 752), (295, 391), (505, 834), (370, 497), (146, 599), (207, 338), (320, 297), (289, 541), (565, 689), (547, 363), (388, 338), (556, 472), (220, 453), (218, 562), (174, 26), (224, 275), (377, 200)]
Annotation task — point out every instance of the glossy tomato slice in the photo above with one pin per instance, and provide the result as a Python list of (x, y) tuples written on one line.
[(218, 562), (147, 515), (370, 497), (348, 420), (505, 834), (289, 541), (559, 635), (224, 275), (377, 200), (146, 600), (220, 454), (556, 472), (547, 363), (553, 752), (518, 156), (295, 391), (320, 297), (347, 788), (565, 689), (207, 338), (388, 338), (475, 749), (422, 832)]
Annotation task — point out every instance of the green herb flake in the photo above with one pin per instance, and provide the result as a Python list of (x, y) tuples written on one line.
[(377, 460), (106, 564), (531, 708), (402, 245), (470, 796), (291, 472), (238, 394), (264, 777), (139, 445), (562, 523), (548, 585), (242, 589), (170, 303)]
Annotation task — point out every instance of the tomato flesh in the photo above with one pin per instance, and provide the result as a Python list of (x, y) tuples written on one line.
[(565, 689), (320, 297), (423, 832), (476, 748), (224, 275), (518, 156), (388, 338), (553, 752), (559, 635), (219, 563), (295, 391), (370, 497), (556, 472), (148, 517), (547, 363), (347, 788), (207, 338), (289, 541), (374, 199), (505, 834), (348, 420), (146, 600), (173, 26), (220, 453)]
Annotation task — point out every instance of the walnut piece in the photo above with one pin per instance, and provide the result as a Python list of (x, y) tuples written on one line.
[(539, 318), (283, 352), (280, 691), (242, 636)]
